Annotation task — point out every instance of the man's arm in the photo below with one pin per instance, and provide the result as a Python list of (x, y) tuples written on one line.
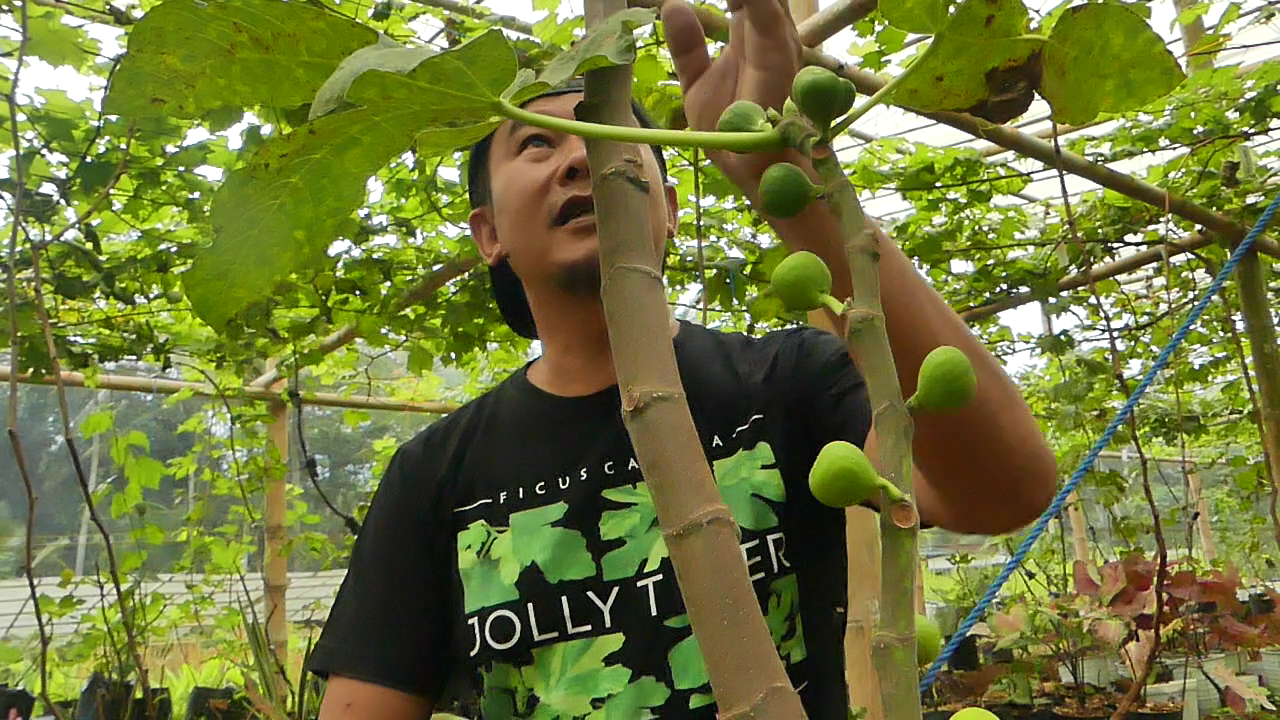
[(350, 699), (983, 469)]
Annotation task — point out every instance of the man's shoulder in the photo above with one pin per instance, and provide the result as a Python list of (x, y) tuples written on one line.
[(786, 344), (457, 427)]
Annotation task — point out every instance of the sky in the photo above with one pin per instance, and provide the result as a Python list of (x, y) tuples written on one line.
[(882, 121)]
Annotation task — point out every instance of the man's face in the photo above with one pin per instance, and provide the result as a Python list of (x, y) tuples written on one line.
[(540, 214)]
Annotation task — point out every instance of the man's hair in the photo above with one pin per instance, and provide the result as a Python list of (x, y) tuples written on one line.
[(478, 188)]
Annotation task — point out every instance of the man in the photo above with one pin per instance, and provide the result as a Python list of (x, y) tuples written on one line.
[(511, 558)]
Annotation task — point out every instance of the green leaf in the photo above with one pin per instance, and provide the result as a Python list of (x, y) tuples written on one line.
[(744, 478), (1086, 46), (982, 38), (280, 213), (560, 553), (186, 58), (611, 44), (925, 17), (386, 55), (55, 42)]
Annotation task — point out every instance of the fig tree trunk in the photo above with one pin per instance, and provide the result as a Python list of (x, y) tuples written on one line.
[(894, 642), (746, 672)]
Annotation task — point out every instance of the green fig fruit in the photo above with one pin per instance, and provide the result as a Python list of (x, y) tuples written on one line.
[(785, 190), (802, 281), (842, 476), (974, 713), (743, 116), (822, 95), (928, 640), (946, 381)]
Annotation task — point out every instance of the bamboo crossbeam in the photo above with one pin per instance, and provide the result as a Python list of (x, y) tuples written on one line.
[(1132, 262), (1037, 149), (830, 21), (345, 334), (165, 386)]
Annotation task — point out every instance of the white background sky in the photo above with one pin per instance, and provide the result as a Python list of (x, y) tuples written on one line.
[(883, 121)]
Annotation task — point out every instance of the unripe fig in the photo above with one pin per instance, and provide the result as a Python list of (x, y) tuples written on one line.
[(802, 281), (743, 116), (946, 381), (974, 713), (785, 190), (928, 639), (843, 476), (822, 95)]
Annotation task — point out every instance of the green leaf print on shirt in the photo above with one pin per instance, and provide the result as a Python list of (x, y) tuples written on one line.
[(637, 526), (744, 479), (784, 619), (560, 553), (569, 680), (491, 559), (487, 566)]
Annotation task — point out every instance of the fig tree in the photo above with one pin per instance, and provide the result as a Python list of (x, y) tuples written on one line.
[(928, 639), (822, 95), (843, 476), (785, 190), (946, 381), (802, 281), (743, 116)]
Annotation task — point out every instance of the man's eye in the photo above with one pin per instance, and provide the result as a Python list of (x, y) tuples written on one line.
[(529, 141)]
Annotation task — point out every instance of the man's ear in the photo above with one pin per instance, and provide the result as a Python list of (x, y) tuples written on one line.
[(485, 235), (673, 210)]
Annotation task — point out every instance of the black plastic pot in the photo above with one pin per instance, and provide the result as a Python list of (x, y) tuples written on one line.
[(206, 703), (103, 697), (161, 706), (16, 699), (1261, 604)]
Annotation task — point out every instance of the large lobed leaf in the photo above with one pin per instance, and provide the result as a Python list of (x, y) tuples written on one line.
[(280, 212), (982, 39), (1105, 58), (186, 58)]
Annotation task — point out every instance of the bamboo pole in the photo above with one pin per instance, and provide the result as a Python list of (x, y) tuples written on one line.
[(275, 581), (1203, 527), (1079, 538), (163, 386), (1255, 306), (862, 538)]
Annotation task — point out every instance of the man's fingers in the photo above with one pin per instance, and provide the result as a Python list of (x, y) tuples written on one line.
[(686, 41), (769, 18)]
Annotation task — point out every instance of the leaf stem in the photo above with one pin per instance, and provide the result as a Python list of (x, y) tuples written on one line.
[(741, 142), (882, 95)]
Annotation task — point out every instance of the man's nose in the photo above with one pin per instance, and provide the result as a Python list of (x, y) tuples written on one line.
[(575, 166)]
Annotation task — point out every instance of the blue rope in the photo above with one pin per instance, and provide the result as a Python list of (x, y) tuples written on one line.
[(1056, 506)]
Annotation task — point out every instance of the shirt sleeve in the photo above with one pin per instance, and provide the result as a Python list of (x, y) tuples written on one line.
[(828, 392), (389, 623)]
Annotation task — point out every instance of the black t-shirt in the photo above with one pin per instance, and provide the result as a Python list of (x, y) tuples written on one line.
[(511, 556)]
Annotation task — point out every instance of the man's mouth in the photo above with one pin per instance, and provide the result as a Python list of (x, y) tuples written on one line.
[(574, 208)]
